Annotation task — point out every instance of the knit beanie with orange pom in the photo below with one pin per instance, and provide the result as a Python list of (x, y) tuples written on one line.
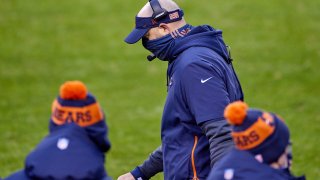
[(75, 105), (259, 132)]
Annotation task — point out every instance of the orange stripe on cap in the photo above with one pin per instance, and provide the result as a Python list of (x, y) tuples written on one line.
[(255, 134), (83, 116)]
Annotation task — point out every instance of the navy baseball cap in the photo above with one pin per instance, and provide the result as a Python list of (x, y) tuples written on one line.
[(144, 24)]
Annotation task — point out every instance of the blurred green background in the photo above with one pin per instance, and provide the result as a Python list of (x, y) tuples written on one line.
[(275, 44)]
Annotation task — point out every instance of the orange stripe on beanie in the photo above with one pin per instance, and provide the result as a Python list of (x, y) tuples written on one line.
[(236, 112), (73, 90), (83, 116)]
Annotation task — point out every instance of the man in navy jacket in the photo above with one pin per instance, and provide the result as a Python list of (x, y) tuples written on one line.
[(201, 83), (76, 143)]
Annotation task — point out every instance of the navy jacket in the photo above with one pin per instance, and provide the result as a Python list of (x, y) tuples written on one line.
[(68, 152), (201, 84), (241, 165)]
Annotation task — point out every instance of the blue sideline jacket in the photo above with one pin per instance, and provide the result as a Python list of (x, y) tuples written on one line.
[(66, 153), (201, 84)]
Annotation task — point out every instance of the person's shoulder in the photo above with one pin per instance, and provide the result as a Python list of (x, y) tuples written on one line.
[(242, 165), (202, 56), (198, 52), (196, 67), (233, 156), (19, 175)]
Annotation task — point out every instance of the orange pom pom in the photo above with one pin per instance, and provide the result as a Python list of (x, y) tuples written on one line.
[(73, 90), (236, 112)]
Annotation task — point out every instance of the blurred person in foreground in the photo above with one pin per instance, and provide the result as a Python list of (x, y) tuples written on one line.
[(262, 148), (76, 143), (201, 83)]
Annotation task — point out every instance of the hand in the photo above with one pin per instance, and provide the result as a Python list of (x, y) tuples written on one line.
[(127, 176)]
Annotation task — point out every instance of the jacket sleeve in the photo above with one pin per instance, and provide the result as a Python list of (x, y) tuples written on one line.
[(151, 166), (219, 136), (205, 91)]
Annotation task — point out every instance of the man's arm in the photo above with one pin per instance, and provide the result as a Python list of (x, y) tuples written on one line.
[(207, 95), (218, 133), (149, 168)]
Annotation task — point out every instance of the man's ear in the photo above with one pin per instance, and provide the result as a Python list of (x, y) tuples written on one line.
[(164, 28)]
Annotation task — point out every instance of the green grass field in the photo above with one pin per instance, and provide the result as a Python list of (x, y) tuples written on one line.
[(275, 44)]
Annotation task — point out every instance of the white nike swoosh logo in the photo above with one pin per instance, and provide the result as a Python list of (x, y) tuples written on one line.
[(203, 81)]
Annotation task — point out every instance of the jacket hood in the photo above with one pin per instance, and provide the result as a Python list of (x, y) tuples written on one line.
[(200, 36)]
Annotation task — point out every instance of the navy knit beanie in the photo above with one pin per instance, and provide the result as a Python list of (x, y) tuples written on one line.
[(75, 105), (262, 133)]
